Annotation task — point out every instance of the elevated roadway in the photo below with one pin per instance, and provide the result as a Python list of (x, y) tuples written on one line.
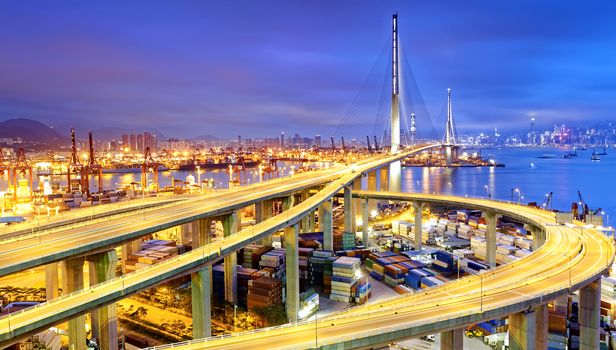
[(102, 236), (29, 251), (39, 224), (571, 258)]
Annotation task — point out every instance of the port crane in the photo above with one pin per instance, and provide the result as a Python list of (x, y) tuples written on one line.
[(343, 145), (582, 211), (4, 165), (23, 168), (149, 165), (333, 144), (369, 147), (271, 169), (93, 168), (547, 203), (376, 144), (74, 167)]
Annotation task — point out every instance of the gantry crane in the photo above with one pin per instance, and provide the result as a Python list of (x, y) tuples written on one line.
[(23, 168), (271, 169), (93, 168), (236, 170), (149, 165), (5, 165), (547, 203), (74, 166)]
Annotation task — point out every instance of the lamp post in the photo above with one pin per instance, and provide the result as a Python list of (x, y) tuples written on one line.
[(316, 329), (519, 195), (487, 191), (481, 291), (569, 256), (199, 177), (458, 263), (234, 318)]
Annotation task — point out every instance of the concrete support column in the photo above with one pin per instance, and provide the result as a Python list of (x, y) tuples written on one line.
[(384, 179), (365, 218), (288, 202), (349, 217), (326, 224), (263, 213), (104, 319), (357, 210), (452, 340), (305, 222), (538, 235), (522, 331), (312, 222), (590, 312), (372, 187), (72, 280), (418, 224), (541, 327), (128, 249), (259, 209), (201, 232), (491, 219), (201, 284), (184, 233), (292, 270), (395, 177), (231, 224), (51, 281), (201, 290), (561, 306)]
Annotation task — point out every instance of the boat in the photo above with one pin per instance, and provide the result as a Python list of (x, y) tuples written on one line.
[(122, 168), (602, 153), (570, 154), (547, 156), (210, 165), (595, 156)]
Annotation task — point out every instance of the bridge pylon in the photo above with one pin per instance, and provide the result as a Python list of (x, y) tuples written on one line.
[(450, 144)]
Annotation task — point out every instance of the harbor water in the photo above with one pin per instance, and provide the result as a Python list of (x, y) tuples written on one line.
[(535, 172)]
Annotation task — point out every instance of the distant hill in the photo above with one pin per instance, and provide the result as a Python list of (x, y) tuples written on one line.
[(30, 131)]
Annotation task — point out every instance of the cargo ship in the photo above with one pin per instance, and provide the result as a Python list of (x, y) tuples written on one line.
[(210, 164), (122, 168)]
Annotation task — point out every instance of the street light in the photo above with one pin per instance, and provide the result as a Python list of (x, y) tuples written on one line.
[(569, 256), (199, 176), (519, 195), (481, 291), (234, 318), (487, 191)]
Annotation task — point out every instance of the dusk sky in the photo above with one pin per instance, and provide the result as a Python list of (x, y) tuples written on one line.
[(256, 68)]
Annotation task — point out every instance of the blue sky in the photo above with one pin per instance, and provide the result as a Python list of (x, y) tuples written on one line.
[(256, 68)]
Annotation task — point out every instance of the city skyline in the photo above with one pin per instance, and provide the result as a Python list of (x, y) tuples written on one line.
[(171, 68)]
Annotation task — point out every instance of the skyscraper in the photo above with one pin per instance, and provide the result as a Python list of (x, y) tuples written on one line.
[(532, 135)]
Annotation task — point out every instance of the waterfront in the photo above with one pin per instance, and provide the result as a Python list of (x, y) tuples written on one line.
[(524, 170), (533, 176)]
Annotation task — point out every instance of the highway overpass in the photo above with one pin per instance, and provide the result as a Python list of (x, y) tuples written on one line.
[(572, 258), (101, 237)]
